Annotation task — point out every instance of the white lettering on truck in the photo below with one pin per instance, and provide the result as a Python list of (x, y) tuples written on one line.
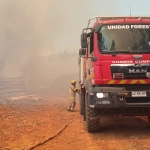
[(124, 62), (131, 62), (128, 26), (118, 26)]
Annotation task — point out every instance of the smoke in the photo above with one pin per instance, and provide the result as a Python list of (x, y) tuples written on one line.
[(32, 31)]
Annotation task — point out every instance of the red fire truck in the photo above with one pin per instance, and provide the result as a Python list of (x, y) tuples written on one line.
[(114, 68)]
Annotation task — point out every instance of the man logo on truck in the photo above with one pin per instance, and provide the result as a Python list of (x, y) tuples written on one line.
[(137, 70)]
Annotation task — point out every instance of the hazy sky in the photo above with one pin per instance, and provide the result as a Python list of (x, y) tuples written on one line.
[(82, 10), (138, 7), (55, 25)]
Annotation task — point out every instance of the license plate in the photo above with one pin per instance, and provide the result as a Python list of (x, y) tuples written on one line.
[(138, 93)]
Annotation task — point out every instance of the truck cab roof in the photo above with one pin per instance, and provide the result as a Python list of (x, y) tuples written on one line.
[(119, 20)]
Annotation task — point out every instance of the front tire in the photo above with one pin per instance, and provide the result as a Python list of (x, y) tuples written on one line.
[(91, 124)]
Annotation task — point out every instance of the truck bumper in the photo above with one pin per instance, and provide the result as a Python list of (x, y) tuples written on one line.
[(119, 97)]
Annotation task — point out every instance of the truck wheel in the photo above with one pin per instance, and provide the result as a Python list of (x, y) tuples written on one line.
[(91, 124)]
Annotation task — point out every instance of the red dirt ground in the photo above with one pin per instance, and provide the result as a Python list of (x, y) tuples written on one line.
[(27, 124)]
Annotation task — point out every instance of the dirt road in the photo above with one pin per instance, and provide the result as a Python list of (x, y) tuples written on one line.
[(32, 125)]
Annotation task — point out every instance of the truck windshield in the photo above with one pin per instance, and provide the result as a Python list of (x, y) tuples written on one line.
[(124, 39)]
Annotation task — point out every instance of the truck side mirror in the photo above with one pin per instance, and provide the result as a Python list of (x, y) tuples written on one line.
[(82, 51), (83, 40)]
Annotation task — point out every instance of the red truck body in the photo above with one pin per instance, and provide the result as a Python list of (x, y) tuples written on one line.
[(116, 54)]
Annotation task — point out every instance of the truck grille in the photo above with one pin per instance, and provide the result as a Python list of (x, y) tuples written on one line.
[(131, 71), (137, 100), (135, 76)]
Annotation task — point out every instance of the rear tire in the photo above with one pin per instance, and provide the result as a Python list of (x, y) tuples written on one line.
[(91, 124)]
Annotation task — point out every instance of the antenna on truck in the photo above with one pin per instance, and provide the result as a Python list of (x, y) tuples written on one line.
[(130, 9)]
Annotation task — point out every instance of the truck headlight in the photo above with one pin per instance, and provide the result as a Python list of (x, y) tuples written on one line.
[(101, 95)]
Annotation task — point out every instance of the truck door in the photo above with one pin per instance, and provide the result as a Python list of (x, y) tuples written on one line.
[(90, 53)]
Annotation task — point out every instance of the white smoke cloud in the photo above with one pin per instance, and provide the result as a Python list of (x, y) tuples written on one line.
[(31, 30)]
